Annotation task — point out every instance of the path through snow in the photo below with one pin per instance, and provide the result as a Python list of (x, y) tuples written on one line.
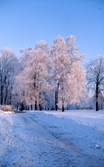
[(29, 140)]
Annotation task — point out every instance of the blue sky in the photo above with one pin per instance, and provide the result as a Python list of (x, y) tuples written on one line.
[(25, 22)]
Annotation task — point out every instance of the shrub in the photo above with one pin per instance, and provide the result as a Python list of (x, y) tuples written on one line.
[(6, 108)]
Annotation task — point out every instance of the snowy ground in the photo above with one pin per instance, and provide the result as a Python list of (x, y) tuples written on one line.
[(52, 139)]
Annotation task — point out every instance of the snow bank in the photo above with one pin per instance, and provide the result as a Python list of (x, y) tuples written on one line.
[(5, 129)]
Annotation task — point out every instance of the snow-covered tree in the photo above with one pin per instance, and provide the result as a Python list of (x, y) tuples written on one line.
[(32, 78), (68, 73), (42, 76), (95, 79), (8, 62)]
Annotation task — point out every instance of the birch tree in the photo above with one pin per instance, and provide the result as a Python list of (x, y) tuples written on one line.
[(67, 71), (8, 62), (32, 79), (95, 79)]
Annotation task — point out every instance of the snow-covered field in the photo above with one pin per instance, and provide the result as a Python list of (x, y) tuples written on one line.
[(52, 139)]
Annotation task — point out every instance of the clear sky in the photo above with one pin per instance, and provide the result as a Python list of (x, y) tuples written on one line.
[(25, 22)]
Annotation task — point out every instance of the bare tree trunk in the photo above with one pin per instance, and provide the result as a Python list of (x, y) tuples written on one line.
[(62, 99), (36, 107), (6, 94), (1, 90), (35, 89), (56, 97), (22, 107), (1, 95), (97, 88), (10, 100), (63, 105), (40, 107)]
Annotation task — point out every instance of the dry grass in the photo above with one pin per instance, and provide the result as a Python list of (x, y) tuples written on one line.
[(6, 108)]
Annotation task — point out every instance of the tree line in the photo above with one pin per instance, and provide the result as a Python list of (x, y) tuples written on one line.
[(50, 78)]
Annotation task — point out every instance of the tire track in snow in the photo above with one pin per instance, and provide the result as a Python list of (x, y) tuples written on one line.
[(34, 144)]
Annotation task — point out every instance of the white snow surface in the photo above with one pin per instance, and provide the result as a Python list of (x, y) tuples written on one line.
[(73, 138)]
